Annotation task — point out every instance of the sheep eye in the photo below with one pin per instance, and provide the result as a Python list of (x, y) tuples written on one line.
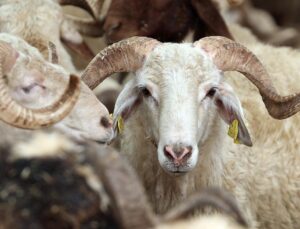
[(211, 92), (145, 92)]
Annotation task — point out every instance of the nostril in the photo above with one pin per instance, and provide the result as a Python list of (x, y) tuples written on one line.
[(169, 152), (106, 122), (178, 154), (186, 153)]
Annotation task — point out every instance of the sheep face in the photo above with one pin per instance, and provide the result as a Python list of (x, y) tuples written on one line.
[(36, 83), (180, 100)]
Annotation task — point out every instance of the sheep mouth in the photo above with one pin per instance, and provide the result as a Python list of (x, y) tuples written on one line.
[(176, 171), (179, 173)]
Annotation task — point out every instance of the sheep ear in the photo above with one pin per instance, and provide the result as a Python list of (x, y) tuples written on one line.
[(230, 109), (126, 102), (10, 60)]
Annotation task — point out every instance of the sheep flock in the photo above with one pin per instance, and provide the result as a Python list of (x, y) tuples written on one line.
[(154, 114)]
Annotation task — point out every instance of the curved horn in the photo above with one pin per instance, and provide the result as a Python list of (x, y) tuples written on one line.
[(53, 57), (14, 114), (211, 197), (92, 6), (124, 56), (231, 56), (128, 198)]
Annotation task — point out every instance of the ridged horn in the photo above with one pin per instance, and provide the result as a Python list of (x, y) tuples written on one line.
[(53, 57), (16, 115), (124, 56), (92, 6), (231, 56)]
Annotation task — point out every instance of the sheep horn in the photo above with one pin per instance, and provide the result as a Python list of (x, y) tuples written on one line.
[(231, 56), (129, 203), (124, 56), (210, 197), (14, 114), (53, 57), (91, 6)]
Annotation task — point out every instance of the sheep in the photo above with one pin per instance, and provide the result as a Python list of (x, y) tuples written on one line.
[(46, 22), (153, 18), (16, 115), (176, 109), (35, 83), (105, 187)]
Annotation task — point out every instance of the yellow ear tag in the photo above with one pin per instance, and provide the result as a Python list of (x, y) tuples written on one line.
[(120, 123), (234, 130)]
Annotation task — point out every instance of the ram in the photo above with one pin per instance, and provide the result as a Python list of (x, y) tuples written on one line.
[(40, 21), (19, 116), (35, 83), (178, 106)]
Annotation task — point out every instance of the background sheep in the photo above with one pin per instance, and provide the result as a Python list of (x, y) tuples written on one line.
[(36, 83), (176, 132), (40, 21)]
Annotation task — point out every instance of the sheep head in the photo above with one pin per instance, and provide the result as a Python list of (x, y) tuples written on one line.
[(180, 92), (16, 115), (36, 83)]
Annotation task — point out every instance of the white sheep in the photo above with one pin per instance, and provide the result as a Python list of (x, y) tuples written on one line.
[(174, 111), (14, 114), (35, 83), (40, 21)]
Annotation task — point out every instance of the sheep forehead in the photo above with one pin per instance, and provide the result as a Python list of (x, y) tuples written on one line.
[(182, 64)]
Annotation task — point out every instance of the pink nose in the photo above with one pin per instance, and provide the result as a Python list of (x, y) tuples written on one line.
[(178, 154)]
